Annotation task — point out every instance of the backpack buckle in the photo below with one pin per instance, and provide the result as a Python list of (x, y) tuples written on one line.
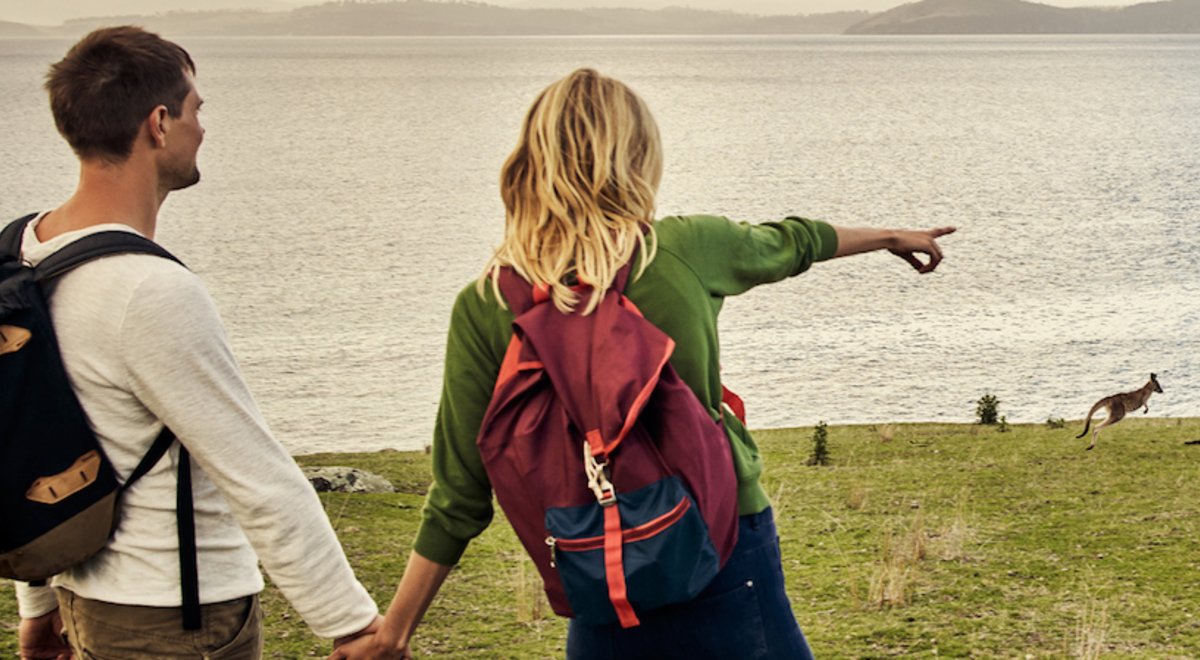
[(597, 474)]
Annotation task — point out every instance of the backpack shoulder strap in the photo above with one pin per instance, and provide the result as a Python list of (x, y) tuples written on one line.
[(98, 245), (10, 237), (152, 457), (622, 277), (185, 519), (518, 293)]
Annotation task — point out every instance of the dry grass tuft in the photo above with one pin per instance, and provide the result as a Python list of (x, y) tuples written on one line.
[(857, 497), (529, 593), (949, 544), (891, 581), (916, 537), (889, 585), (1091, 633)]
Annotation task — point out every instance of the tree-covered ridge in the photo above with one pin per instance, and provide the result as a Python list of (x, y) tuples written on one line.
[(1020, 17)]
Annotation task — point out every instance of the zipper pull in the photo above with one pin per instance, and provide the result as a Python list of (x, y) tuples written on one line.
[(550, 541)]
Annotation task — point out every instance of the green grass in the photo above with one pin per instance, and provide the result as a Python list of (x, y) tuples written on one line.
[(918, 541)]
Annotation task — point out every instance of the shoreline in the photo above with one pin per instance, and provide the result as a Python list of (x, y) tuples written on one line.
[(1067, 424)]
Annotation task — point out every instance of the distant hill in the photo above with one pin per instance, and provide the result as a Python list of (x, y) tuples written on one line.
[(756, 7), (462, 17), (8, 29), (1020, 17), (423, 17)]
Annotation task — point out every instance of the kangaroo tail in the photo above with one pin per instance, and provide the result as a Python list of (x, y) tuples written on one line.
[(1088, 423)]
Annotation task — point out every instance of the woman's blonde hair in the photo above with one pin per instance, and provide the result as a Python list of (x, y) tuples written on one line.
[(579, 188)]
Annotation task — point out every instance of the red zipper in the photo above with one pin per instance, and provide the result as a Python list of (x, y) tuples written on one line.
[(630, 535)]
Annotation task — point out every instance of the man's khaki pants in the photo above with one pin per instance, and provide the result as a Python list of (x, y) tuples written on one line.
[(103, 631)]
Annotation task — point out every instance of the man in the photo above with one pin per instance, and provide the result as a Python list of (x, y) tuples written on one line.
[(144, 347)]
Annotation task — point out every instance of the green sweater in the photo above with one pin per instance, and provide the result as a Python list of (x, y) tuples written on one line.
[(700, 261)]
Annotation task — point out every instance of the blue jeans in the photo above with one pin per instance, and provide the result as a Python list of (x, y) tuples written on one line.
[(744, 614)]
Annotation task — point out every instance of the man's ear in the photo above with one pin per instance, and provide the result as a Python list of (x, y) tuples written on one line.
[(159, 123)]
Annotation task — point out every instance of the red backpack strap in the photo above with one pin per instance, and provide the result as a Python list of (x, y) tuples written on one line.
[(735, 403), (520, 297), (614, 568)]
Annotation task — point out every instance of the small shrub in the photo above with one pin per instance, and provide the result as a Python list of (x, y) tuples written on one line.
[(1004, 424), (1056, 423), (986, 409), (820, 455)]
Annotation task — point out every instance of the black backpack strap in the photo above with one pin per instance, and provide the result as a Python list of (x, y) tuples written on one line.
[(189, 574), (98, 245), (10, 237), (185, 521), (161, 444)]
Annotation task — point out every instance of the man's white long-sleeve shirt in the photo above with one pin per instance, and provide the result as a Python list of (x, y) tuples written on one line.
[(144, 346)]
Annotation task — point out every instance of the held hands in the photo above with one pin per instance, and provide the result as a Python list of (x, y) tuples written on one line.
[(420, 583), (368, 644), (41, 638), (368, 647), (907, 244)]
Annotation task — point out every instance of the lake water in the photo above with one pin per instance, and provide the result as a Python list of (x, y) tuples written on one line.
[(350, 190)]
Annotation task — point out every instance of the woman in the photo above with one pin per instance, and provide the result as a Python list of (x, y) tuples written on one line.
[(579, 191)]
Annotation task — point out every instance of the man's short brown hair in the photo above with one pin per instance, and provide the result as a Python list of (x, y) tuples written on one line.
[(109, 82)]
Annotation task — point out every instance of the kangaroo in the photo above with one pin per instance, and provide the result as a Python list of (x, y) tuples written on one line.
[(1119, 404)]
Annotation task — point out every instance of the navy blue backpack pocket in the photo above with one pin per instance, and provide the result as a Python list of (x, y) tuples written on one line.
[(666, 553)]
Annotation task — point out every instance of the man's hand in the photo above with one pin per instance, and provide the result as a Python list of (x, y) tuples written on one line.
[(369, 630), (41, 638)]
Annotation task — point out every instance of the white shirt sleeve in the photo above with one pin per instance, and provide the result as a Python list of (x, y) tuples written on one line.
[(33, 602), (180, 365)]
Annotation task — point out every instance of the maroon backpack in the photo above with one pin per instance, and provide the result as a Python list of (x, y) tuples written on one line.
[(615, 477)]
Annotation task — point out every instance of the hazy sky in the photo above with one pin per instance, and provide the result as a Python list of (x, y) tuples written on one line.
[(54, 12)]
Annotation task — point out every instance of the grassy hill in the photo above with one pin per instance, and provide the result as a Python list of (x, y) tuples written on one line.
[(918, 541)]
